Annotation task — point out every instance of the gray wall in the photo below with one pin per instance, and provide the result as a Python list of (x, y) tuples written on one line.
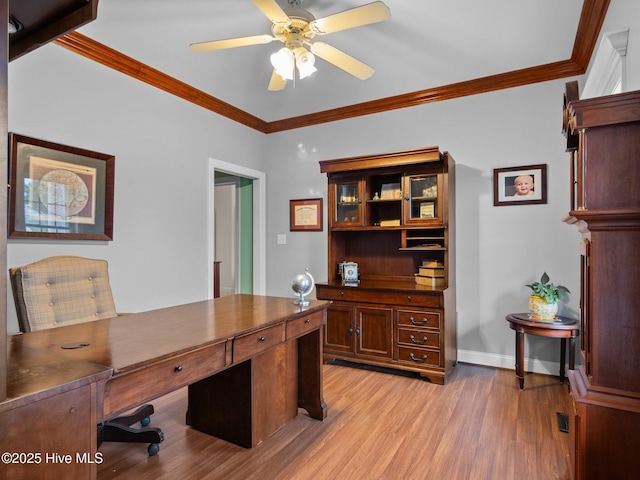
[(499, 249), (163, 146)]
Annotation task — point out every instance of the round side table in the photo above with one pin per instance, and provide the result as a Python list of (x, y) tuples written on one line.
[(563, 328)]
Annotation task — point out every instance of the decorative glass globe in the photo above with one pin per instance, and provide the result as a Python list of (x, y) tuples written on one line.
[(302, 284)]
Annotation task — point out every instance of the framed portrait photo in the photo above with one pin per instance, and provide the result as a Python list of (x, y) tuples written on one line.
[(59, 192), (305, 215), (525, 185)]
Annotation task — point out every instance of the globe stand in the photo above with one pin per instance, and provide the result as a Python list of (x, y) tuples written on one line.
[(301, 301), (302, 285)]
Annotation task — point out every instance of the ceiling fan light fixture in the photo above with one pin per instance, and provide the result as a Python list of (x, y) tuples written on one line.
[(305, 70), (286, 60), (305, 61), (283, 63)]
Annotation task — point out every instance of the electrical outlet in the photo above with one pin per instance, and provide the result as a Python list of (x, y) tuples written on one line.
[(282, 239)]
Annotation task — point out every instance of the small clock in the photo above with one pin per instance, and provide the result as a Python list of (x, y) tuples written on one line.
[(349, 272)]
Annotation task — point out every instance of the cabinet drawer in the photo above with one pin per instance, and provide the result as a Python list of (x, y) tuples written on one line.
[(419, 319), (418, 356), (247, 346), (133, 388), (419, 338), (355, 294), (302, 325)]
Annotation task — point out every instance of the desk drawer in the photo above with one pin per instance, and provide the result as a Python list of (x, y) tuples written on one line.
[(302, 325), (133, 388), (247, 346)]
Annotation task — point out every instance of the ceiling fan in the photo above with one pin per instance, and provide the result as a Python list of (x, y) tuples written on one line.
[(296, 28)]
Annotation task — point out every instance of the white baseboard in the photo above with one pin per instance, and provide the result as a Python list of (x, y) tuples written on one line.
[(508, 361)]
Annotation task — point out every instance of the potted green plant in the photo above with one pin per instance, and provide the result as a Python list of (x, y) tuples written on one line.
[(545, 297)]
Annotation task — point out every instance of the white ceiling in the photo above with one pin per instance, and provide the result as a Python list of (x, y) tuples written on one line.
[(425, 44)]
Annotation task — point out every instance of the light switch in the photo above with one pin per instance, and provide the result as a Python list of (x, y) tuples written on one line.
[(282, 239)]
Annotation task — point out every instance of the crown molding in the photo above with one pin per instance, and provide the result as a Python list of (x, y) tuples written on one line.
[(591, 20), (96, 51)]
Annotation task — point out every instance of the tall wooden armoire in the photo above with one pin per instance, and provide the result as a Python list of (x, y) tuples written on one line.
[(603, 136)]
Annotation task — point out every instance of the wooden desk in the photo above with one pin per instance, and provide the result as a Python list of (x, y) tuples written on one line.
[(564, 328), (266, 347)]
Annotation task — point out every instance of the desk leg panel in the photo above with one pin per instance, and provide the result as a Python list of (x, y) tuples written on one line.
[(53, 438), (220, 405), (310, 394), (248, 402)]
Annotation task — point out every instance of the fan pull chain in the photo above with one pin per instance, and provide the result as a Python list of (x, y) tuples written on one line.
[(295, 69)]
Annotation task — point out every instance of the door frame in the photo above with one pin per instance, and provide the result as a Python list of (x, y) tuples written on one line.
[(259, 222)]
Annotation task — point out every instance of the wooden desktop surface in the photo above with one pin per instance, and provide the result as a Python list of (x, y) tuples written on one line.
[(133, 341), (35, 374)]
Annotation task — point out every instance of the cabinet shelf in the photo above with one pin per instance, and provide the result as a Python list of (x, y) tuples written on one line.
[(411, 249), (425, 238), (422, 199)]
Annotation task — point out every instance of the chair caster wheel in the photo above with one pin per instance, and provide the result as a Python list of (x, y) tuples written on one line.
[(153, 449), (145, 421)]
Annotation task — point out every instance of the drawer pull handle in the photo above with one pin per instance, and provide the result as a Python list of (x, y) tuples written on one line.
[(418, 342), (178, 368), (420, 360), (342, 293), (308, 320), (409, 297), (421, 322), (262, 339)]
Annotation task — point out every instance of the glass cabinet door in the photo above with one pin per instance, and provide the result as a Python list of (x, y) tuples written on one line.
[(422, 198), (348, 203)]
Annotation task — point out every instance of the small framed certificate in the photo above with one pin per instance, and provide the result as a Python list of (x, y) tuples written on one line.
[(305, 215)]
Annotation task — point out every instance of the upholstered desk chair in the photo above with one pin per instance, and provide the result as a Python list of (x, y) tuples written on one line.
[(64, 290)]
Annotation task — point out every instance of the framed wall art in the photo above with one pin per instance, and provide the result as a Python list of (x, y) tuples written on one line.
[(525, 185), (59, 192), (306, 215)]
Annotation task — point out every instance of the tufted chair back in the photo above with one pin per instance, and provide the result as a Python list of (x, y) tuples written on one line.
[(61, 290)]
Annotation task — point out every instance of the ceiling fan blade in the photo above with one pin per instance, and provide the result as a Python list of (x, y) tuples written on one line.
[(231, 43), (355, 17), (273, 11), (342, 60), (277, 82)]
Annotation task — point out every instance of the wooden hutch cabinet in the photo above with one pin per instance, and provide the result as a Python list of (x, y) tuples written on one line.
[(604, 140), (394, 216)]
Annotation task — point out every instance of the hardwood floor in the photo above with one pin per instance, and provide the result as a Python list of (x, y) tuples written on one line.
[(379, 426)]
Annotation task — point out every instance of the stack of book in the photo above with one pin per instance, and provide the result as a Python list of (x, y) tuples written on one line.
[(431, 273)]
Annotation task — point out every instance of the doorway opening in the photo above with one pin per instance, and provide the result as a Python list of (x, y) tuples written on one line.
[(233, 242), (237, 228)]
